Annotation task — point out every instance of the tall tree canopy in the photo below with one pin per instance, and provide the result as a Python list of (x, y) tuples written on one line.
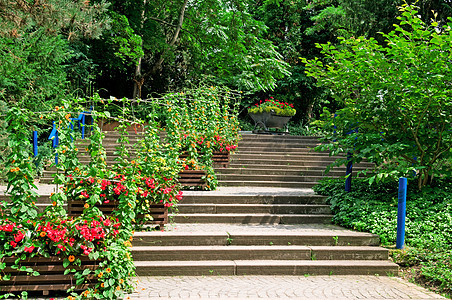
[(184, 42)]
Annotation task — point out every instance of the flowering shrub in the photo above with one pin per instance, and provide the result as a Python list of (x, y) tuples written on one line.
[(200, 122), (25, 233), (273, 106)]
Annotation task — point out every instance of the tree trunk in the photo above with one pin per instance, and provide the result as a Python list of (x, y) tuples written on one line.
[(138, 79), (157, 66)]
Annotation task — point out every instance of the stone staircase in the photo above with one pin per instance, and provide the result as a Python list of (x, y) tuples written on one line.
[(263, 220), (279, 161)]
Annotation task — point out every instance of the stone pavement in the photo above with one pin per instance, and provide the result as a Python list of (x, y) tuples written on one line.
[(278, 287)]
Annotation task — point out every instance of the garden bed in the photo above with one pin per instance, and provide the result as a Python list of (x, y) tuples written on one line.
[(193, 178), (51, 278), (158, 212)]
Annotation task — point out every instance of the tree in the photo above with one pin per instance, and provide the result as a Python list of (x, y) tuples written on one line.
[(397, 109), (187, 42), (287, 22), (36, 51)]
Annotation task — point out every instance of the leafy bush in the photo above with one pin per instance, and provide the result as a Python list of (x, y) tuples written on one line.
[(396, 96), (428, 234)]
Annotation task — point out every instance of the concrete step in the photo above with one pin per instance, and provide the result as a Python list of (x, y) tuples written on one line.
[(252, 199), (253, 218), (259, 177), (265, 148), (284, 156), (266, 267), (268, 252), (254, 209), (282, 184), (286, 138), (291, 172), (256, 236), (289, 161)]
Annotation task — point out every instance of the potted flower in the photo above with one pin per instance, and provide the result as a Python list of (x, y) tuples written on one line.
[(271, 113)]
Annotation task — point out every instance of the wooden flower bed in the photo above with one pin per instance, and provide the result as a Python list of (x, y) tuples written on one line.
[(51, 276), (158, 212), (221, 159), (193, 178)]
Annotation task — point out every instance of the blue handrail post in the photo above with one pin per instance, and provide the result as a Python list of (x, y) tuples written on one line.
[(83, 126), (348, 173), (401, 212), (35, 143), (54, 135)]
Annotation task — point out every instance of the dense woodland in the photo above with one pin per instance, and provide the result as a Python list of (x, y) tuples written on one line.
[(52, 49)]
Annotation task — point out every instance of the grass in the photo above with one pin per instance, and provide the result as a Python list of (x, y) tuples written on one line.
[(427, 257)]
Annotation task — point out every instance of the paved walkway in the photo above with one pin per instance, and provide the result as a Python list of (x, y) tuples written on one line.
[(267, 287), (279, 287)]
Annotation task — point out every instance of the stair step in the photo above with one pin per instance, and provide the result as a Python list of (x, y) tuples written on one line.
[(249, 162), (231, 252), (271, 177), (283, 184), (293, 172), (284, 156), (254, 218), (252, 199), (266, 267), (254, 208), (240, 236)]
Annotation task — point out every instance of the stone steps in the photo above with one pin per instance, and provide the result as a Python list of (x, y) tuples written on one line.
[(267, 252), (243, 235), (265, 267), (254, 208), (302, 199), (276, 184), (253, 218), (264, 220), (268, 177)]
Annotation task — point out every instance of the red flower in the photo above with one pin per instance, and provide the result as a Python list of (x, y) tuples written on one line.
[(29, 249)]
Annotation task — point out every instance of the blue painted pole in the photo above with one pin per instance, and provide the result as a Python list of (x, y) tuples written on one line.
[(348, 173), (35, 143), (401, 213), (83, 127)]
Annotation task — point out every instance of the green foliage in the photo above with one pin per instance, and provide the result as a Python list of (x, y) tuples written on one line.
[(397, 94), (428, 221), (37, 59), (287, 22), (33, 74)]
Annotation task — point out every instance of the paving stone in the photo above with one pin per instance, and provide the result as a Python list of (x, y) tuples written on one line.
[(279, 287)]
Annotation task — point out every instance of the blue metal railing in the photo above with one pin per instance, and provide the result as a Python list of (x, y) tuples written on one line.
[(81, 119)]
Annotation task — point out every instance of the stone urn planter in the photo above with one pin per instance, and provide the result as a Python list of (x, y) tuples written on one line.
[(268, 120)]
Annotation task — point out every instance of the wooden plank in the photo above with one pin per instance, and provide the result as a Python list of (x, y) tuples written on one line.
[(55, 278), (44, 287)]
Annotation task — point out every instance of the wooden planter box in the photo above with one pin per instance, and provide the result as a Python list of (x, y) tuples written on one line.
[(51, 276), (193, 178), (158, 212), (219, 158)]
